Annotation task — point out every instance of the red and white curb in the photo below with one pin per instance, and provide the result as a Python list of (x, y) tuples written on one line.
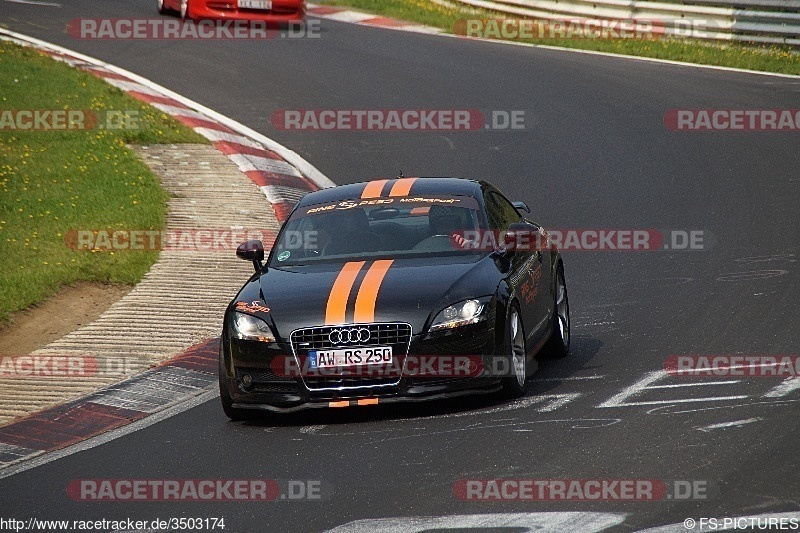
[(365, 19), (281, 174), (187, 375)]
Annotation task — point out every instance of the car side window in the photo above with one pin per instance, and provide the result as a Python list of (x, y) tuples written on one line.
[(492, 213), (500, 211)]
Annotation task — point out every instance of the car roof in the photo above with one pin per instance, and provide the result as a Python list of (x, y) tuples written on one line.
[(420, 186)]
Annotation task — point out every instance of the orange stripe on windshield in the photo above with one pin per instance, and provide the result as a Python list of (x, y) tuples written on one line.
[(340, 292), (373, 189), (368, 293), (402, 187)]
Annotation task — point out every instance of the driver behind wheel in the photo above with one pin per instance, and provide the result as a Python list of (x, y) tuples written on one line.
[(451, 222)]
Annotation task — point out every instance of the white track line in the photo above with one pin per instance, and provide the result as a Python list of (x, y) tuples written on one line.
[(734, 424)]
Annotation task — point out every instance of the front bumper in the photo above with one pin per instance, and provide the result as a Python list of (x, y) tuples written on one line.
[(283, 11), (358, 402), (276, 391)]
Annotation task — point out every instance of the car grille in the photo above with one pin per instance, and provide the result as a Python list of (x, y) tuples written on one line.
[(396, 335)]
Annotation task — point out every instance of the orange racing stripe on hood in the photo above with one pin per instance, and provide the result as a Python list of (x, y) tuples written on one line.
[(340, 292), (368, 293)]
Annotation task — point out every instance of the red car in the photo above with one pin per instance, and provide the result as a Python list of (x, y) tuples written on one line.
[(273, 11)]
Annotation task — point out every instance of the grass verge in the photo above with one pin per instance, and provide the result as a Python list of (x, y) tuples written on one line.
[(52, 181), (781, 59)]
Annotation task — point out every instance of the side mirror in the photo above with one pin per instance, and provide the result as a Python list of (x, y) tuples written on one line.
[(252, 250), (520, 237), (521, 206)]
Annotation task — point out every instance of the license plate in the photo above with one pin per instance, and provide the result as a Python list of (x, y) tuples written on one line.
[(266, 5), (373, 355)]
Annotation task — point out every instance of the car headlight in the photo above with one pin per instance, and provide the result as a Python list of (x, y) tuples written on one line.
[(251, 328), (460, 314)]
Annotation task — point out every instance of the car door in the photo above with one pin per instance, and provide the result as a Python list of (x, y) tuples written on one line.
[(528, 275), (540, 284)]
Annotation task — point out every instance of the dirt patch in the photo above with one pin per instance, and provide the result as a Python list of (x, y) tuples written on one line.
[(71, 308)]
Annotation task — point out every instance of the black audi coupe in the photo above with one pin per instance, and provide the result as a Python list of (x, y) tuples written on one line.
[(392, 290)]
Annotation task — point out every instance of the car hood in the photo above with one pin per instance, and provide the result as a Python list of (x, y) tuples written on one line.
[(411, 290)]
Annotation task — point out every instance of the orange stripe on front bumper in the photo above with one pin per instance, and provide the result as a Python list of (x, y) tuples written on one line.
[(368, 401), (340, 292), (368, 293), (402, 187), (343, 403), (373, 189)]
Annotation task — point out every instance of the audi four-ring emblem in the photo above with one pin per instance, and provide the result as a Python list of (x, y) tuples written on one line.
[(349, 335)]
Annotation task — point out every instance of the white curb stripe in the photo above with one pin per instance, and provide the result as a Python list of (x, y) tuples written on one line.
[(178, 111), (249, 163), (10, 452), (154, 389), (277, 194), (216, 135), (350, 16)]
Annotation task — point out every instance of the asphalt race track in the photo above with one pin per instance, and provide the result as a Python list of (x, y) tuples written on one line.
[(594, 154)]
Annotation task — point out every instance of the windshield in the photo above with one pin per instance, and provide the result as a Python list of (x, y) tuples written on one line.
[(377, 227)]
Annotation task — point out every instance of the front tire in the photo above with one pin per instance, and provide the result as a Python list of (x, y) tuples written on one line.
[(514, 385)]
